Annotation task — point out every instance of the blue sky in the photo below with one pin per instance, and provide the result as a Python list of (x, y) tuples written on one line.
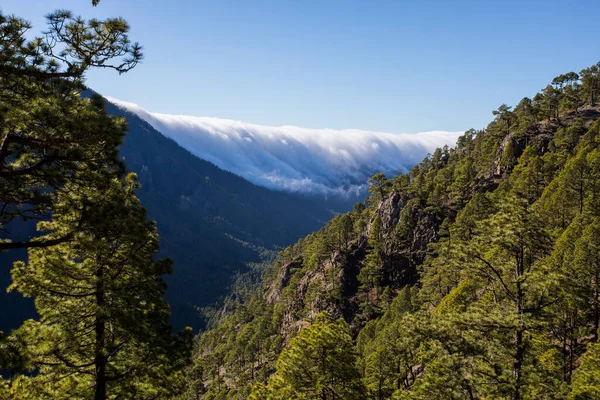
[(393, 66)]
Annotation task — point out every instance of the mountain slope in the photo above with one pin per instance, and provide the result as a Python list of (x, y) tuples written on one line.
[(474, 276), (210, 221), (311, 161)]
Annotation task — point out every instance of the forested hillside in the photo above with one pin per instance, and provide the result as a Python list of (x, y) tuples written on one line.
[(475, 275), (211, 222)]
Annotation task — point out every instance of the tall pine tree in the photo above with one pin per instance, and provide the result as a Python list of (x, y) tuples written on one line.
[(103, 330)]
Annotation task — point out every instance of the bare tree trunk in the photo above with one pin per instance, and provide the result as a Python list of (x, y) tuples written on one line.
[(99, 356), (519, 345)]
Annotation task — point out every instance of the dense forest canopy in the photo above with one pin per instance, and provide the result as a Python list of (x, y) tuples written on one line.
[(474, 275)]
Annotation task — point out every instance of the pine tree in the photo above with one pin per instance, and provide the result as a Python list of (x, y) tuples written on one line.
[(505, 117), (505, 255), (528, 178), (319, 363), (526, 117), (370, 273), (485, 324), (585, 273), (590, 84), (103, 330), (586, 381), (380, 185), (575, 317), (550, 105), (47, 131)]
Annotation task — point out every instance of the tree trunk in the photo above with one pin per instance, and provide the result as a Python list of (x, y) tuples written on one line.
[(519, 346), (469, 390), (564, 351), (99, 357), (596, 300), (518, 364)]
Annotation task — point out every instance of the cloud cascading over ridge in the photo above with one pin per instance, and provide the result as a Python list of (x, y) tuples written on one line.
[(311, 161)]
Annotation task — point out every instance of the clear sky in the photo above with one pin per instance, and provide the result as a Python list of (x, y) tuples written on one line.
[(394, 66)]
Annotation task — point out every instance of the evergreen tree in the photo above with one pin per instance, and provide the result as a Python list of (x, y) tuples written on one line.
[(590, 83), (47, 131), (550, 106), (103, 330), (379, 185), (319, 363), (487, 321), (575, 316), (508, 159), (506, 257), (370, 273), (586, 381), (504, 116), (584, 273), (526, 116)]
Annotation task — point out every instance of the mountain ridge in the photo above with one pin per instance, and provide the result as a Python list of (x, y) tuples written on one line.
[(311, 161), (212, 222), (215, 222)]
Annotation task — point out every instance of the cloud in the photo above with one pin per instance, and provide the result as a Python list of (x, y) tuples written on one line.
[(326, 161)]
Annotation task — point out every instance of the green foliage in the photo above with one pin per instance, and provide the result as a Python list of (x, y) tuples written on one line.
[(49, 132), (320, 362), (379, 186), (103, 330), (370, 274), (224, 353), (586, 381), (244, 345), (501, 235), (220, 224)]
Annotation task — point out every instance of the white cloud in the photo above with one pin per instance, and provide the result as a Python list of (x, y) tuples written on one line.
[(296, 159)]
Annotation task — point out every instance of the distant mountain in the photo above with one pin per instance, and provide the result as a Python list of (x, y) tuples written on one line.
[(314, 161), (211, 222)]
